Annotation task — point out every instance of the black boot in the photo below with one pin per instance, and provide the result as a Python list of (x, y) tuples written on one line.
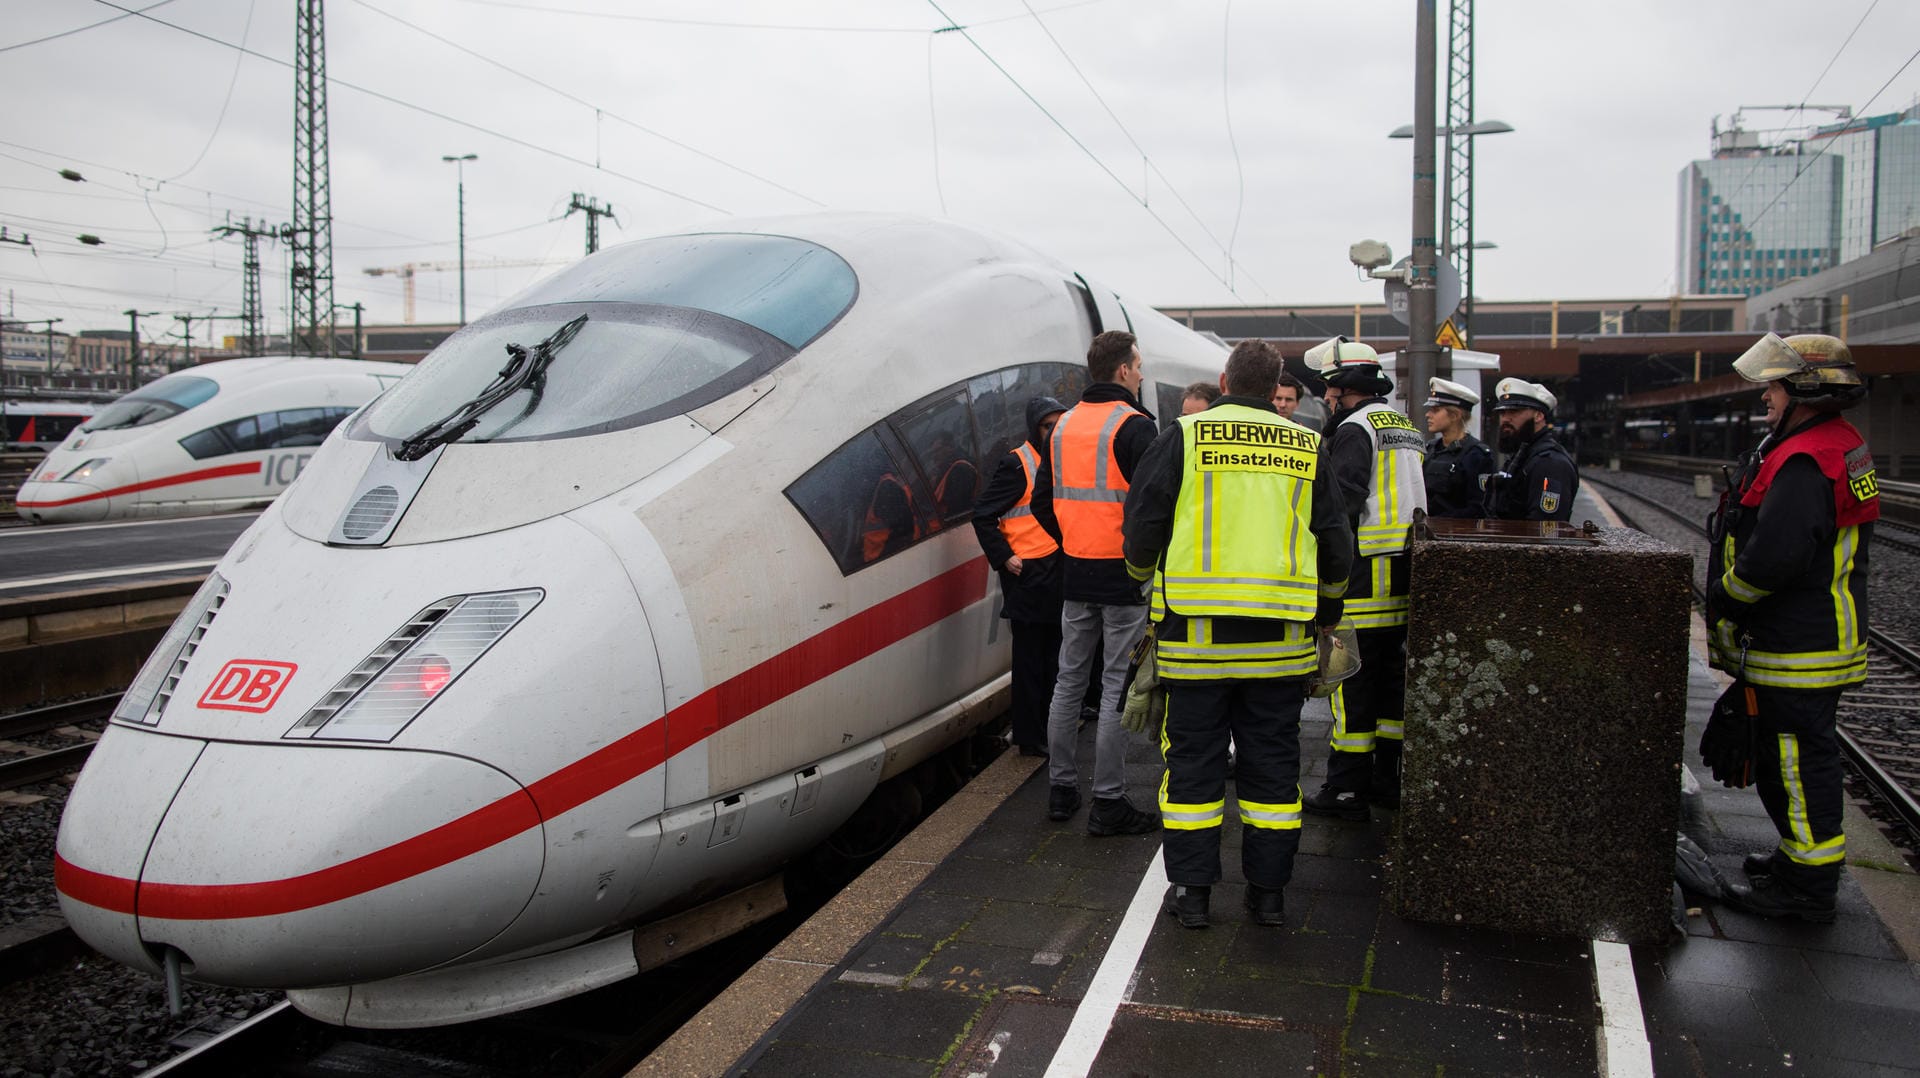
[(1768, 897), (1267, 905), (1345, 804), (1117, 816), (1758, 864), (1189, 904), (1062, 803)]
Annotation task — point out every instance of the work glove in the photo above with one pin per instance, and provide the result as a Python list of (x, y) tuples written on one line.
[(1728, 745), (1145, 707)]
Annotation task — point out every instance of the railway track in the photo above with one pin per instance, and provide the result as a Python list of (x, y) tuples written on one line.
[(1876, 721), (26, 764)]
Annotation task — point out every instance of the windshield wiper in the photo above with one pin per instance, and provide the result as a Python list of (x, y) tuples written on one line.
[(525, 366)]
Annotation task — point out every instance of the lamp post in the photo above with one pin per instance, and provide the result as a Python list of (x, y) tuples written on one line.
[(1456, 233), (460, 165)]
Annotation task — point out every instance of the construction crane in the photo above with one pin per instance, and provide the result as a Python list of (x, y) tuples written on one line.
[(406, 270)]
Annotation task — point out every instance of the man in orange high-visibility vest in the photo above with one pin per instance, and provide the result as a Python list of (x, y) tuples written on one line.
[(1028, 560), (1079, 497)]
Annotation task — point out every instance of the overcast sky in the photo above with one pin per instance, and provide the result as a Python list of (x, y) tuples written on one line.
[(1252, 127)]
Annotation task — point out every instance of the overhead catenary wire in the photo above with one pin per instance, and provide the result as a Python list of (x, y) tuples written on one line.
[(955, 27), (1141, 150), (470, 125), (717, 24), (82, 29)]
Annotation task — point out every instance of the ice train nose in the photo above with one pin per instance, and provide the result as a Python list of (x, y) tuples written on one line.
[(296, 865)]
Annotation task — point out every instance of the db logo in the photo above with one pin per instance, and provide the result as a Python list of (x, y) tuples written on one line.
[(248, 685)]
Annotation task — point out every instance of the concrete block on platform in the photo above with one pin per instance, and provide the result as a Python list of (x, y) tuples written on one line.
[(141, 613), (1546, 700)]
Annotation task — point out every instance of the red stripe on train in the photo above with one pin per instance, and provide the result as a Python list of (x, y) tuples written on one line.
[(817, 657), (248, 468)]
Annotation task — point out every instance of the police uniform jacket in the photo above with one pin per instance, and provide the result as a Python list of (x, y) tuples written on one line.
[(1788, 595), (1454, 476), (1150, 527), (1098, 580), (1540, 483), (1034, 593)]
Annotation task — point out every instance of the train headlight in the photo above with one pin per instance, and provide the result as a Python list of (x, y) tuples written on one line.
[(85, 470), (414, 666)]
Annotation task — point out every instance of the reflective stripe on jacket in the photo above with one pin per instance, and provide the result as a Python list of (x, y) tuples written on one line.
[(1024, 534), (1399, 483), (1089, 493)]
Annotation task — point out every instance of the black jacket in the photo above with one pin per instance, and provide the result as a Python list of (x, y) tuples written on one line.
[(1098, 580), (1539, 484), (1453, 477), (1149, 524), (1033, 594)]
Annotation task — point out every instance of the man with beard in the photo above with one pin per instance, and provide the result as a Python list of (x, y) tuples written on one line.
[(1540, 479)]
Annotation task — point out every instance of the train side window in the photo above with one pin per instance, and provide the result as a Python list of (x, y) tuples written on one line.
[(995, 429), (941, 441), (862, 502), (1167, 400), (207, 443), (305, 426)]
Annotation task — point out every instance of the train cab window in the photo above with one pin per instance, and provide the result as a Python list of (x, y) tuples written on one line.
[(161, 399), (940, 437), (671, 324), (290, 429)]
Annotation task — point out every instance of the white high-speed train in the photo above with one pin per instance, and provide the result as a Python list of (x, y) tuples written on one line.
[(631, 593), (225, 435)]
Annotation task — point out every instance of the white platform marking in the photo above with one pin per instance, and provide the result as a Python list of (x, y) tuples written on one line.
[(1074, 1058), (102, 574), (1625, 1052)]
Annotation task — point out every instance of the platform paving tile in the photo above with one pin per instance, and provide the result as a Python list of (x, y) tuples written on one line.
[(1866, 980), (1886, 1036), (1316, 1007), (1469, 1038), (1531, 988), (983, 878), (1099, 889), (783, 1060), (1032, 926), (1736, 965), (1560, 1046), (933, 914), (1015, 1037), (1700, 1011), (1285, 955), (976, 968), (1155, 1044), (870, 1019)]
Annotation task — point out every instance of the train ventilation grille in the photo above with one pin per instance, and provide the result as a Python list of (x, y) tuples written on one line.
[(179, 670), (372, 666), (370, 513)]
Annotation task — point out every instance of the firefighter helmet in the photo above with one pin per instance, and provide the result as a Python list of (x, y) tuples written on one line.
[(1817, 370), (1349, 364)]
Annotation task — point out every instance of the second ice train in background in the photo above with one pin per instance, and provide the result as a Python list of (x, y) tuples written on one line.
[(225, 435), (629, 595)]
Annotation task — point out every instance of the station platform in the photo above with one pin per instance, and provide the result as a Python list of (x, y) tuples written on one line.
[(993, 942)]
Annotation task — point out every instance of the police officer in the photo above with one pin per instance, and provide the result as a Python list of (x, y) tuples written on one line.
[(1540, 479), (1028, 561), (1235, 615), (1078, 497), (1788, 610), (1377, 457), (1456, 460)]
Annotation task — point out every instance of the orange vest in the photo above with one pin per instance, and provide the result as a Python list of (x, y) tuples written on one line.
[(1024, 533), (878, 531), (1089, 493)]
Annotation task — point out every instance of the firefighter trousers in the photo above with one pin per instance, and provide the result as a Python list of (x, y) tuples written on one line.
[(1369, 709), (1262, 715), (1798, 774)]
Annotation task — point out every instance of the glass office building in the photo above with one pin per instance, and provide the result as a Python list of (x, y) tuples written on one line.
[(1754, 217)]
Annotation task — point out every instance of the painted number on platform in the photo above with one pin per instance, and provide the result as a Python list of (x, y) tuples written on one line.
[(283, 468), (965, 981), (247, 685)]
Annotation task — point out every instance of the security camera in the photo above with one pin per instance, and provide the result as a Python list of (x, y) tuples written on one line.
[(1370, 254)]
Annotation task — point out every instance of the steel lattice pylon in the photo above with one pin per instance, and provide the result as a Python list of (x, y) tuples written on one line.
[(250, 305), (311, 234), (1456, 243)]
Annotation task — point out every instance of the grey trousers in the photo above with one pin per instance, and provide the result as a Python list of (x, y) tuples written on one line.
[(1117, 628)]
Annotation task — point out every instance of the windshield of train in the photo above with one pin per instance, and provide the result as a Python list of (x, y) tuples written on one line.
[(162, 399), (672, 324)]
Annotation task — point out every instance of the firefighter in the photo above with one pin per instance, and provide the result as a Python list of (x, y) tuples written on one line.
[(1457, 462), (1235, 616), (1787, 607), (1377, 457), (1540, 479), (1028, 561)]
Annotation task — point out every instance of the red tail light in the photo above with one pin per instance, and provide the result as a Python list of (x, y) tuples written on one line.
[(434, 674)]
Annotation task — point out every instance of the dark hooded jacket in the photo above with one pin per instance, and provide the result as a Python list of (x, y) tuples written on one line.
[(1034, 594)]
